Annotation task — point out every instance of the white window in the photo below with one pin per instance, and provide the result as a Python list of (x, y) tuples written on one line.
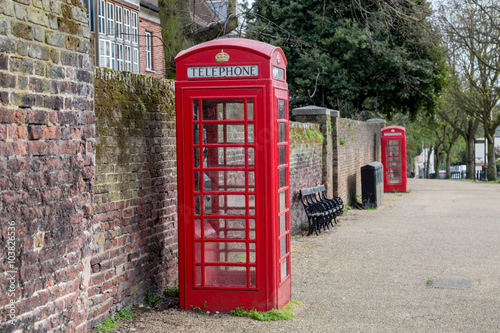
[(107, 59), (102, 16), (148, 50), (119, 22), (136, 60), (102, 53), (128, 58), (111, 19), (119, 57), (112, 55), (135, 28), (126, 23)]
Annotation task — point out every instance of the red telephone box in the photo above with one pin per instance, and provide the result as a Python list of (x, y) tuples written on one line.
[(233, 176), (394, 158)]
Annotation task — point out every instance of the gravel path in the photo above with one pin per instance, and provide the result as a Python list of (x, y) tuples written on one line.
[(374, 272)]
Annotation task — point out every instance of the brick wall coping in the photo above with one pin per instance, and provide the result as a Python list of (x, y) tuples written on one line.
[(376, 120), (312, 110)]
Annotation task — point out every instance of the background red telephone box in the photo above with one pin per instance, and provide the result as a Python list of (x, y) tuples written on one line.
[(233, 176), (394, 158)]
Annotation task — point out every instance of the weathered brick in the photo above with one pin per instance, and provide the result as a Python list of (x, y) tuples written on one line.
[(21, 12), (24, 65), (7, 80), (39, 51), (22, 30), (4, 28), (8, 45)]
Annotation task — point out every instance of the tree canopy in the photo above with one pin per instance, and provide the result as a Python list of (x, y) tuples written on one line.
[(377, 55)]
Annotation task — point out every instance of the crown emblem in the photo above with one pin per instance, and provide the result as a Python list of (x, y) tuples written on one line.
[(278, 59), (222, 57)]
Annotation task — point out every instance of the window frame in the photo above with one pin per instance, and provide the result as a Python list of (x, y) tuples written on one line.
[(135, 59), (126, 23), (147, 44), (135, 27), (111, 19), (119, 22), (102, 17)]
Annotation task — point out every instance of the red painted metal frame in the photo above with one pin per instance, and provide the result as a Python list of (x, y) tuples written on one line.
[(395, 167), (271, 290)]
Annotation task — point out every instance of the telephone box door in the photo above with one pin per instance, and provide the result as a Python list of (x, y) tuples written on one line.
[(394, 158), (223, 259)]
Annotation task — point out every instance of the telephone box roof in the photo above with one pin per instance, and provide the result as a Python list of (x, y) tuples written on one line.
[(249, 45)]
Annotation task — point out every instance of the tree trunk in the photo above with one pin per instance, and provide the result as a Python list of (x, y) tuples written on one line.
[(469, 158), (429, 154), (437, 155), (448, 164), (492, 172)]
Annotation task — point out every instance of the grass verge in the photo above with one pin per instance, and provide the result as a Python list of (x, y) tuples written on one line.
[(285, 313)]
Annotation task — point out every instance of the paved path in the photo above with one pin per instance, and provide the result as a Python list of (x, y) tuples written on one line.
[(371, 273)]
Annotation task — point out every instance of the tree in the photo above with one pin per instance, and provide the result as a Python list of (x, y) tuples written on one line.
[(180, 29), (457, 111), (472, 33), (377, 55)]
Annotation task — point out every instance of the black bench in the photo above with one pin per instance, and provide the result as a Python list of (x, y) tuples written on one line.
[(321, 211)]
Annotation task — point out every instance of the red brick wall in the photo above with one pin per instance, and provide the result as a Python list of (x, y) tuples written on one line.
[(135, 222), (305, 167), (157, 54), (358, 143), (47, 144)]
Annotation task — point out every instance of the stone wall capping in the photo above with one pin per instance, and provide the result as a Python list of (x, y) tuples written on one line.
[(313, 110)]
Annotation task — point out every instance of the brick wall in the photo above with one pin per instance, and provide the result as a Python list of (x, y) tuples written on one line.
[(135, 222), (157, 54), (47, 142), (306, 149), (357, 144)]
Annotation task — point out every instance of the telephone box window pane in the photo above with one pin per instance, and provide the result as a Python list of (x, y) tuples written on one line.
[(251, 204), (283, 200), (226, 252), (224, 133), (197, 274), (282, 154), (251, 181), (251, 225), (251, 157), (196, 110), (250, 109), (197, 252), (281, 132), (252, 253), (394, 159), (394, 176), (196, 157), (225, 109), (223, 204), (393, 148), (393, 142), (283, 269), (197, 204), (196, 134), (393, 153), (196, 181), (250, 133), (283, 223), (224, 156), (225, 228), (197, 228), (282, 176), (225, 180), (394, 181), (394, 170), (253, 278), (281, 109), (225, 276), (393, 165), (283, 246)]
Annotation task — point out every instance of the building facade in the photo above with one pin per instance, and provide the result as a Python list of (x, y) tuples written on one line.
[(127, 33)]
